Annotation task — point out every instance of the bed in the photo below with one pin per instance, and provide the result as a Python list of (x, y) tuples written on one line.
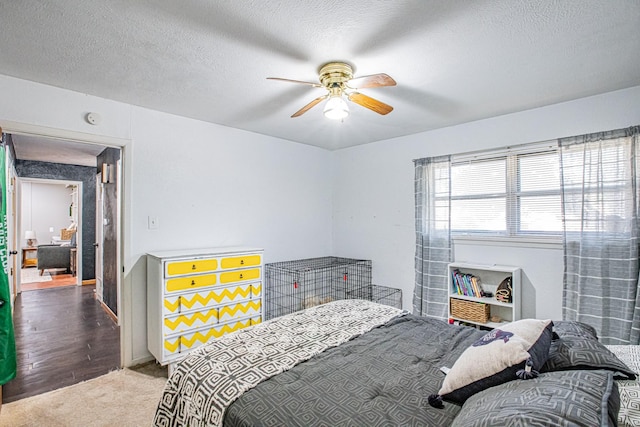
[(358, 363)]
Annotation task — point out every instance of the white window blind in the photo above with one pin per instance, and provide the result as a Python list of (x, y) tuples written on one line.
[(511, 192)]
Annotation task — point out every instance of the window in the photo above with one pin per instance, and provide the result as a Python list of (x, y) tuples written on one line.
[(595, 182), (507, 193)]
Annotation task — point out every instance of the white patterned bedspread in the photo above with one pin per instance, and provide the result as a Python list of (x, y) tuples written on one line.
[(629, 414), (213, 376)]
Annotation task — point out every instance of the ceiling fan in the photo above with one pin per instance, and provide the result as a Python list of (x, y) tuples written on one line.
[(337, 78)]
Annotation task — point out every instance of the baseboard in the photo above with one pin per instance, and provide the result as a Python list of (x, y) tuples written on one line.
[(89, 282), (110, 313), (141, 361)]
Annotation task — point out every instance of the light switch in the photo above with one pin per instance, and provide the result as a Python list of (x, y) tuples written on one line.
[(153, 223)]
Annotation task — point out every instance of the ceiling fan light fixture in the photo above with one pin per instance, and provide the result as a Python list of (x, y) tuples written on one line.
[(336, 108), (337, 78)]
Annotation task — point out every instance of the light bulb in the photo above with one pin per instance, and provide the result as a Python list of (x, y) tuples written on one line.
[(336, 108)]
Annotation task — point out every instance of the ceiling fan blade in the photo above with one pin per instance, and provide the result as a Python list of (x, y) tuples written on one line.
[(295, 81), (309, 106), (374, 80), (370, 103)]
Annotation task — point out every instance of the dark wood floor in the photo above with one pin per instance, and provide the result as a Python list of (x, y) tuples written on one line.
[(63, 337)]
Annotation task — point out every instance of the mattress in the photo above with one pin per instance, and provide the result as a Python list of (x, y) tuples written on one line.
[(629, 414)]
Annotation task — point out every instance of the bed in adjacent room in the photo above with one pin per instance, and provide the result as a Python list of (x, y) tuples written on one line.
[(358, 363)]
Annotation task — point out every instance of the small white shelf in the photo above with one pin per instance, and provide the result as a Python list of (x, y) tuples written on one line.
[(490, 278)]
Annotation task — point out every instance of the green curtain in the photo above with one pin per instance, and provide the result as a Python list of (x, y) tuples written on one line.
[(7, 341)]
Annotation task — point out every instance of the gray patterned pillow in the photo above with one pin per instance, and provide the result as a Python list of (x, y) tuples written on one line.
[(576, 398), (577, 347), (571, 328), (570, 352)]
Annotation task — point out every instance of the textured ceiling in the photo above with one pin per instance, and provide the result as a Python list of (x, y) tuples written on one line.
[(56, 151), (455, 61)]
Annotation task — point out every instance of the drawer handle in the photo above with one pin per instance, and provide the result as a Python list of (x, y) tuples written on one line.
[(241, 275), (193, 282), (193, 267), (241, 262)]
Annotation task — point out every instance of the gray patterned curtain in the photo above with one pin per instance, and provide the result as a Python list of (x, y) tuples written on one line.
[(433, 236), (600, 216)]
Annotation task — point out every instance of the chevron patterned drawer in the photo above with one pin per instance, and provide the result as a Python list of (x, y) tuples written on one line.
[(243, 309), (172, 305), (256, 290), (180, 303), (186, 322), (193, 266), (189, 341), (171, 347)]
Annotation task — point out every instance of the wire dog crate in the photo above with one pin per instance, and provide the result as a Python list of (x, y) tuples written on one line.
[(295, 285), (387, 296)]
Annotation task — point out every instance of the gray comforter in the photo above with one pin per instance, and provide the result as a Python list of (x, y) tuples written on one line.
[(360, 383), (356, 363)]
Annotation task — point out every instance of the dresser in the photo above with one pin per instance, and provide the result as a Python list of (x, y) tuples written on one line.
[(198, 295)]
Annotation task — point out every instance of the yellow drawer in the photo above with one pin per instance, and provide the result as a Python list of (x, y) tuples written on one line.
[(185, 322), (240, 261), (180, 268), (192, 340), (242, 309), (240, 275), (190, 282)]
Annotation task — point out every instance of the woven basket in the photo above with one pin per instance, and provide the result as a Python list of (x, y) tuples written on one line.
[(470, 310), (66, 234)]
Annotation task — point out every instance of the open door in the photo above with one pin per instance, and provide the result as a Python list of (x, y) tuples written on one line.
[(12, 227), (9, 200), (8, 360), (109, 222)]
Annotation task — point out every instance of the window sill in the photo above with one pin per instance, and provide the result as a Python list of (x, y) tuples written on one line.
[(519, 242)]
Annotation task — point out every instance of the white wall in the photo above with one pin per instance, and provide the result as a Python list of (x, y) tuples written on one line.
[(373, 204), (214, 186), (44, 205), (208, 185)]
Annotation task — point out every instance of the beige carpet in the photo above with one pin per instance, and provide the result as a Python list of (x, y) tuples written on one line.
[(32, 275), (121, 398)]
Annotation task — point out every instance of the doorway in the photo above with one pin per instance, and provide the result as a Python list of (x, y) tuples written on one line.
[(50, 225), (85, 238)]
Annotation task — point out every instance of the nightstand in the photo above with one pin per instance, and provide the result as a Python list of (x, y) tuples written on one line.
[(30, 256)]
